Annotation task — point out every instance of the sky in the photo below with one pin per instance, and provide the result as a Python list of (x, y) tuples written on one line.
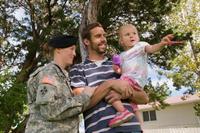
[(153, 74)]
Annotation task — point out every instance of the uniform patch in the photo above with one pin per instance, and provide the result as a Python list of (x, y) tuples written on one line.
[(43, 91), (48, 80)]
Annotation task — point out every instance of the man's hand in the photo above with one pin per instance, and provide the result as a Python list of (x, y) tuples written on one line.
[(113, 96), (123, 87)]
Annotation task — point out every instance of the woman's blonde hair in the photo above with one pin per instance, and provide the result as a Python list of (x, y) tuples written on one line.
[(48, 51)]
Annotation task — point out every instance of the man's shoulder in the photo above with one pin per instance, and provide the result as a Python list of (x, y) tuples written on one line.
[(82, 65), (77, 67), (78, 64)]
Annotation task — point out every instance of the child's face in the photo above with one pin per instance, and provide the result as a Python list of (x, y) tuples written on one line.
[(128, 36)]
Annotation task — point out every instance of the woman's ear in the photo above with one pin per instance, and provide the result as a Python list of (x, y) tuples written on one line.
[(57, 50)]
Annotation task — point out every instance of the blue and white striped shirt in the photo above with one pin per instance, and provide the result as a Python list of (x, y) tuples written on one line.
[(96, 119)]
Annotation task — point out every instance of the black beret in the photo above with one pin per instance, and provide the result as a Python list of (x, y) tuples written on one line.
[(62, 41)]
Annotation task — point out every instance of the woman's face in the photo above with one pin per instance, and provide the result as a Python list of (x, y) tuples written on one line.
[(67, 55)]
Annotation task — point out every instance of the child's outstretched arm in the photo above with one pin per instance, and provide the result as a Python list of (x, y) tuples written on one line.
[(167, 40)]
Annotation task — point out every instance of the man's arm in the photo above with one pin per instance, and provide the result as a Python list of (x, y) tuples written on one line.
[(139, 97), (123, 88), (102, 90)]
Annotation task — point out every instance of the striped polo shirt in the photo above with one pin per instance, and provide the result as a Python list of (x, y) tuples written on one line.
[(89, 73)]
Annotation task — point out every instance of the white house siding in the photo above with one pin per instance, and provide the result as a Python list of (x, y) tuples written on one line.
[(174, 116), (173, 130)]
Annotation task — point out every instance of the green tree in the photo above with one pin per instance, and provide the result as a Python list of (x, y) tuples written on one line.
[(22, 38), (185, 20), (24, 27)]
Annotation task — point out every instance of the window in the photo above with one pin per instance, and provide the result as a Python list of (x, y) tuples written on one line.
[(149, 115), (146, 116)]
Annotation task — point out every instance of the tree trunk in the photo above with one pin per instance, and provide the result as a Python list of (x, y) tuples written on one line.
[(91, 11)]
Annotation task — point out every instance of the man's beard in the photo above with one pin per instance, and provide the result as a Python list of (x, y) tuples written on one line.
[(98, 50)]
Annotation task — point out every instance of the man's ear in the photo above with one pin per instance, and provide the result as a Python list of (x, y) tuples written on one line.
[(86, 42)]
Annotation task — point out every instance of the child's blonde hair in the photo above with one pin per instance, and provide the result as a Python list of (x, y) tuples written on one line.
[(125, 25)]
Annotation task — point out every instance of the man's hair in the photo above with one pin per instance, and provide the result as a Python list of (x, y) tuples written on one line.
[(86, 31)]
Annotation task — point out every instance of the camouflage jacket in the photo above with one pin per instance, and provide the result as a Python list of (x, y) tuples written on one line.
[(53, 107)]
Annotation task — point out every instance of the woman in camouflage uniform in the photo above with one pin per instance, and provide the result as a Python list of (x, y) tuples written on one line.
[(53, 107)]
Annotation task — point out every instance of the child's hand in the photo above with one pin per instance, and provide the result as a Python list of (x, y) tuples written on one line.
[(116, 68), (167, 40)]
